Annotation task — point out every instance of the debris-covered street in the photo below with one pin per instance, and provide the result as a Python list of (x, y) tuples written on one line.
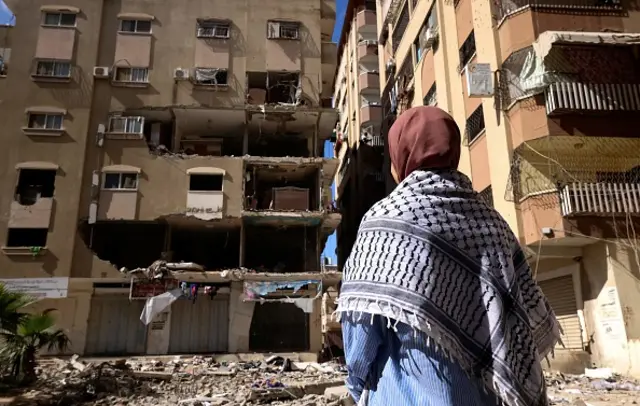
[(186, 381), (274, 380)]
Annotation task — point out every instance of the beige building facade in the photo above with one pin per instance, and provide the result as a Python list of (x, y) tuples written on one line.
[(135, 131), (547, 97)]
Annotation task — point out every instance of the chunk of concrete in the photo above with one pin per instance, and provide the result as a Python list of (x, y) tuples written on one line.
[(336, 393)]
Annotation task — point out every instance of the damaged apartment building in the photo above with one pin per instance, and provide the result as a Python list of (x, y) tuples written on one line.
[(174, 159)]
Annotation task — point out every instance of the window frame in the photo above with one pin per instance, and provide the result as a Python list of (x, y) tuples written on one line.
[(59, 23), (214, 26), (282, 27), (136, 23), (218, 71), (46, 118), (121, 184), (131, 69), (54, 63), (140, 119)]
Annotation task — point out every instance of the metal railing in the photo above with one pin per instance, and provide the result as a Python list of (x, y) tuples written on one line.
[(572, 96), (599, 198), (507, 7)]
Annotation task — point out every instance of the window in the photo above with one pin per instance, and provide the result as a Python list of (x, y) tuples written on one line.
[(370, 5), (283, 30), (27, 237), (45, 121), (213, 29), (211, 76), (34, 184), (475, 124), (206, 183), (431, 98), (60, 19), (467, 51), (120, 181), (131, 75), (126, 125), (135, 26), (54, 69)]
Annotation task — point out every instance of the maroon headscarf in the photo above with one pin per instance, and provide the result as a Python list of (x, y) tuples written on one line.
[(424, 138)]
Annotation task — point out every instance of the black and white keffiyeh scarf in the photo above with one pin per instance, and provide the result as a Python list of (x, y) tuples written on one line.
[(433, 255)]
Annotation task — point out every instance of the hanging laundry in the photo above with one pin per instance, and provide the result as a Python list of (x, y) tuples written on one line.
[(184, 288)]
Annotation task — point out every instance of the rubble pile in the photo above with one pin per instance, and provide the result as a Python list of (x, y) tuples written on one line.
[(596, 387), (194, 381)]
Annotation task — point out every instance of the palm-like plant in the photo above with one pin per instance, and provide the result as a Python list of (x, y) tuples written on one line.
[(10, 305), (21, 344)]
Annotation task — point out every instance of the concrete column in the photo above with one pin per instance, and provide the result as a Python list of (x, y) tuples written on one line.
[(315, 327), (240, 316)]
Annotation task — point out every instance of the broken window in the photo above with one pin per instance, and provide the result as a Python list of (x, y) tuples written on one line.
[(27, 237), (273, 87), (211, 77), (34, 184), (137, 26), (120, 181), (60, 19), (126, 125), (213, 29), (283, 30), (45, 121), (5, 55), (159, 135), (55, 69), (131, 75), (278, 327), (206, 183)]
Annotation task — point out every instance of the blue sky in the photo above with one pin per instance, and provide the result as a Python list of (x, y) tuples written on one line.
[(329, 251), (5, 14)]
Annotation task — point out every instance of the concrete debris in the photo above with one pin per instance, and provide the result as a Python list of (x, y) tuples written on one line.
[(194, 381), (160, 269), (574, 390)]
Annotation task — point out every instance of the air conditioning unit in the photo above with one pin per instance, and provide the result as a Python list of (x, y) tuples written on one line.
[(101, 72), (430, 36), (181, 74)]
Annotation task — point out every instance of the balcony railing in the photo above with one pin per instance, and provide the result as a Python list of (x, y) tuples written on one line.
[(506, 7), (565, 96), (600, 198)]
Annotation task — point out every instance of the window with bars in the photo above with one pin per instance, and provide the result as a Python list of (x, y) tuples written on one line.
[(59, 19), (53, 69), (213, 29), (41, 121), (431, 98), (131, 75), (474, 125), (487, 195), (283, 30), (135, 26), (467, 51), (126, 125), (120, 181)]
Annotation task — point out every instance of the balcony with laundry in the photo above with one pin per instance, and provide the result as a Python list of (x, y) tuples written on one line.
[(572, 190), (572, 84)]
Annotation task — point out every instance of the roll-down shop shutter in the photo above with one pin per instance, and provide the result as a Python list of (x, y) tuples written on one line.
[(561, 296), (200, 327), (115, 327)]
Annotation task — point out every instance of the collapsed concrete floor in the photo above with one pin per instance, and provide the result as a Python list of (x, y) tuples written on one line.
[(270, 380)]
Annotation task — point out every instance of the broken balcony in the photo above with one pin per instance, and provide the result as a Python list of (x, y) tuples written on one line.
[(281, 249), (215, 248), (282, 188)]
